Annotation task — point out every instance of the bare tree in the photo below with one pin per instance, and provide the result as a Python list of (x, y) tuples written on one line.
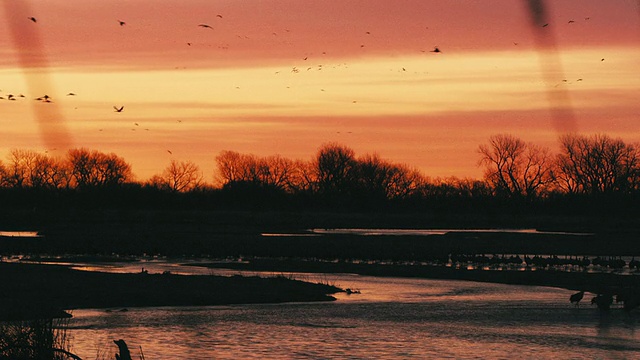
[(515, 168), (50, 172), (20, 167), (180, 176), (97, 169), (276, 171), (303, 177), (272, 171), (334, 166), (3, 175), (235, 167), (381, 178), (597, 164)]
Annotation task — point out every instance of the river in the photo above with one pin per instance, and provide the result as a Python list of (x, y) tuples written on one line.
[(391, 318)]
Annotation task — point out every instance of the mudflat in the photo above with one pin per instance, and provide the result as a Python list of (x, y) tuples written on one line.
[(33, 290)]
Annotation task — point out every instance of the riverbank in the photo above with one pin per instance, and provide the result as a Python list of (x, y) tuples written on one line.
[(596, 283), (221, 234), (32, 290)]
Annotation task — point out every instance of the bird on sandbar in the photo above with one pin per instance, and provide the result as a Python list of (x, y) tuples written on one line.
[(575, 298), (119, 109)]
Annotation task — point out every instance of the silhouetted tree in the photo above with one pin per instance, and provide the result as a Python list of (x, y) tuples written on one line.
[(274, 172), (49, 172), (597, 164), (381, 179), (3, 175), (515, 168), (334, 166), (97, 169), (303, 177), (20, 168), (235, 167), (180, 176)]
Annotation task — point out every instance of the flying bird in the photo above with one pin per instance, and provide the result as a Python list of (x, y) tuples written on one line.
[(220, 16), (436, 50), (71, 94), (32, 19), (169, 151), (119, 109), (205, 26), (570, 22), (122, 23)]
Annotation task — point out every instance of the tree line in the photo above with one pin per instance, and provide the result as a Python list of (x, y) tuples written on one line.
[(514, 171)]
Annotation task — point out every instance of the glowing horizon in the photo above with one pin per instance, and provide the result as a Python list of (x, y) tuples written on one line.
[(285, 84)]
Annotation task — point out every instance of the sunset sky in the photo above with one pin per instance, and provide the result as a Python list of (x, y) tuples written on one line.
[(285, 77)]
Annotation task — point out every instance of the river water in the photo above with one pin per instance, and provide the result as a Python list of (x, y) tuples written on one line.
[(392, 318)]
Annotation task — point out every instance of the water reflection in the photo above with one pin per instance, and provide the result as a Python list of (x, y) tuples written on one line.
[(392, 318)]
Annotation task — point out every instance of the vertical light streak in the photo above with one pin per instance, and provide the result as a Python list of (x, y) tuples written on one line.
[(560, 106), (35, 67)]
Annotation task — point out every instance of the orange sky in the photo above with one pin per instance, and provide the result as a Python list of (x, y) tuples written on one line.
[(285, 77)]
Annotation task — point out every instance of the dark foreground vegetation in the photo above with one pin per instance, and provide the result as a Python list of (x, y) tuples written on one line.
[(33, 322)]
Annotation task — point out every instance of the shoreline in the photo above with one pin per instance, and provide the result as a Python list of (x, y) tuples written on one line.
[(596, 283), (36, 291)]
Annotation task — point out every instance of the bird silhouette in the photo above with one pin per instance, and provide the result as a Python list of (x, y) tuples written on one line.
[(436, 50), (205, 26), (575, 298), (32, 19), (220, 16), (71, 94), (122, 23), (169, 151), (119, 109)]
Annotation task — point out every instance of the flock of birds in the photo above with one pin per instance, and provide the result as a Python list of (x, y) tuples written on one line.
[(544, 262), (120, 108), (629, 298)]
